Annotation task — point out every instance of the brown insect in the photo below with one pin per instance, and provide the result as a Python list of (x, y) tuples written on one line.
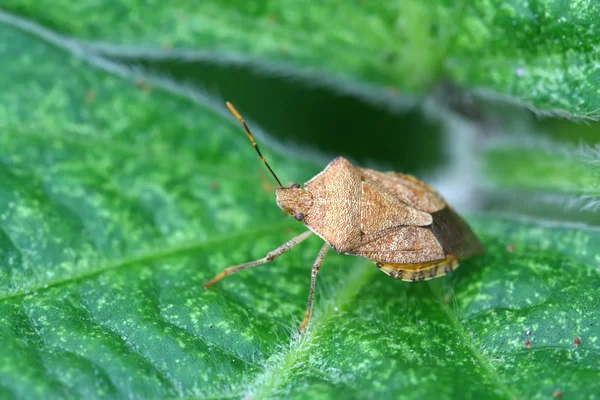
[(393, 219)]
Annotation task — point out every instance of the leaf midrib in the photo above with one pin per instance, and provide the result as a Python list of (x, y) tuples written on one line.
[(263, 386), (478, 355), (274, 374)]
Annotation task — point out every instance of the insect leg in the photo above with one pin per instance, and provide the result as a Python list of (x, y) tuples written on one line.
[(313, 281), (270, 257)]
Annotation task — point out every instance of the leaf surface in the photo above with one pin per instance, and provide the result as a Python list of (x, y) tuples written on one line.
[(118, 201)]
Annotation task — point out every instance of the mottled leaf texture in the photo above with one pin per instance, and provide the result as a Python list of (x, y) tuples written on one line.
[(541, 53), (117, 201)]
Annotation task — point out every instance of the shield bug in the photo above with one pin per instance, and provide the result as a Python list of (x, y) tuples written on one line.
[(395, 220)]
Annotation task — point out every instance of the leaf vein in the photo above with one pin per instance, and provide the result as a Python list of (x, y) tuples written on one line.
[(147, 257)]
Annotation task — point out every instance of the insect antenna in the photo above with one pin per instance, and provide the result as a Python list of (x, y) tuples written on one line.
[(239, 117)]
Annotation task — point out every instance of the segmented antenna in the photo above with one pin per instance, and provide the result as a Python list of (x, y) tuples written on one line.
[(238, 116)]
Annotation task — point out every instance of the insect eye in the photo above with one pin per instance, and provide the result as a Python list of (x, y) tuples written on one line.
[(299, 216), (295, 186)]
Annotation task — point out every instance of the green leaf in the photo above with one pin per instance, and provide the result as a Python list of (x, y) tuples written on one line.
[(113, 201), (275, 32), (536, 177), (118, 201), (557, 169), (540, 53)]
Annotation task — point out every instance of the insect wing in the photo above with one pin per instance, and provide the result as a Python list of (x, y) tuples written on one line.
[(455, 236)]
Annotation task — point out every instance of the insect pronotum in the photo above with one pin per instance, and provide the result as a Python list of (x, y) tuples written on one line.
[(395, 220)]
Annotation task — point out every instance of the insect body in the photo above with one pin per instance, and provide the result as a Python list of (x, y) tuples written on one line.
[(397, 221)]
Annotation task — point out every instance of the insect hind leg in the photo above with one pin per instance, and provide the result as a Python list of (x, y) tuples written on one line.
[(313, 282)]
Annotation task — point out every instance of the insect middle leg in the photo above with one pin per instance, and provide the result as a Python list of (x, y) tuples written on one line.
[(270, 257), (313, 281)]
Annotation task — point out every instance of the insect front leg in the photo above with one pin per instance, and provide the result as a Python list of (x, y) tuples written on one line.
[(270, 257), (313, 281)]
